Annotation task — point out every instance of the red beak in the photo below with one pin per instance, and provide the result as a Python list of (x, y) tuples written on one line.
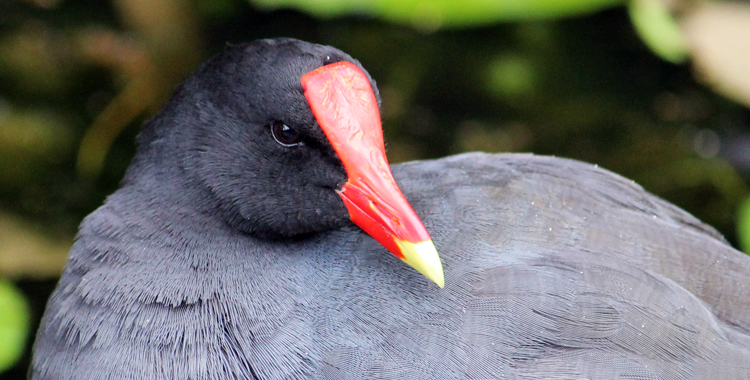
[(345, 107)]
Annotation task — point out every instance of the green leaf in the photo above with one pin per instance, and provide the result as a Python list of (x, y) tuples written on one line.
[(658, 29), (743, 225), (434, 14), (14, 324)]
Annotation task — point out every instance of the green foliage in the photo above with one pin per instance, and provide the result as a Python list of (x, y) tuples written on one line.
[(743, 225), (14, 324), (658, 29), (512, 76), (431, 15)]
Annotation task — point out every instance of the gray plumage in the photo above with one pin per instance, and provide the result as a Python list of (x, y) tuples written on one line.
[(554, 269)]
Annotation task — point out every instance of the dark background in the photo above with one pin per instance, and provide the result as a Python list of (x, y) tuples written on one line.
[(79, 78)]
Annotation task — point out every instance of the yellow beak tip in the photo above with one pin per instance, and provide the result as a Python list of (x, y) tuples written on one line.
[(424, 258)]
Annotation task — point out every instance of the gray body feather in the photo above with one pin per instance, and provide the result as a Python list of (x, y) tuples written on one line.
[(555, 269)]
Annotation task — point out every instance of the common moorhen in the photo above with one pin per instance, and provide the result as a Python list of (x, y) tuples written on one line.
[(250, 240)]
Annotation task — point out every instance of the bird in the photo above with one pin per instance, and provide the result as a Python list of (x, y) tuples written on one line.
[(260, 233)]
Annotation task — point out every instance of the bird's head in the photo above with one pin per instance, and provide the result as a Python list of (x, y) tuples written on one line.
[(286, 137)]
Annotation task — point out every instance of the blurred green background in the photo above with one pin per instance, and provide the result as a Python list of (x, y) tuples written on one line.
[(655, 90)]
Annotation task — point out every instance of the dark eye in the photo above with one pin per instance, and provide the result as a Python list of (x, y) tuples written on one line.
[(285, 135)]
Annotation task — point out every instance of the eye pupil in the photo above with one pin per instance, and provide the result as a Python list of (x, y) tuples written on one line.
[(285, 135)]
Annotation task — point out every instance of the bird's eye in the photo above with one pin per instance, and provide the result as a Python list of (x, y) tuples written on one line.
[(285, 135)]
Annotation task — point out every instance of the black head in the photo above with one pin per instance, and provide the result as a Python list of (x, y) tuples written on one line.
[(244, 134)]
